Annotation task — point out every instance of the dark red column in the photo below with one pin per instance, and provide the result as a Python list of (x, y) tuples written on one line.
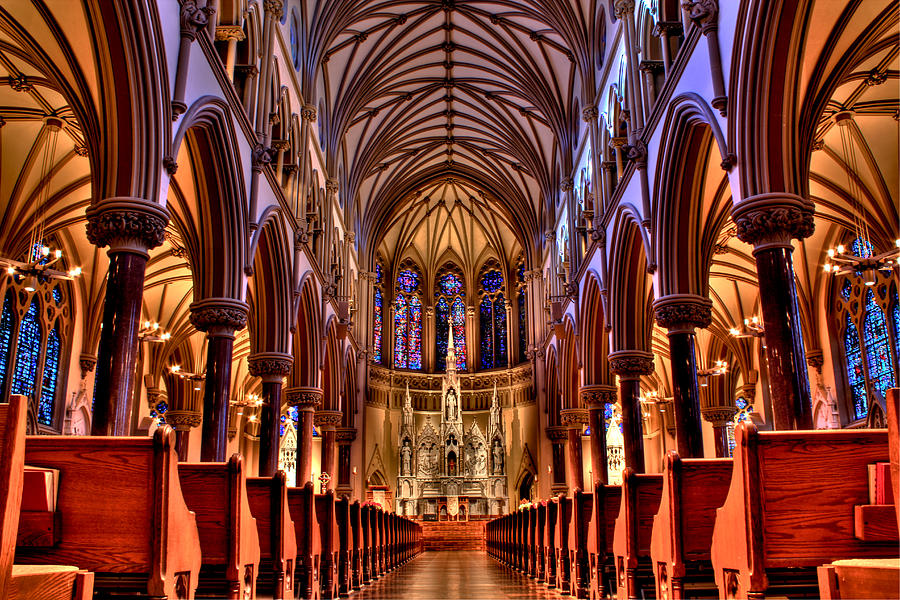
[(630, 366), (130, 227), (558, 439), (596, 397), (327, 421), (219, 318), (719, 417), (575, 419), (770, 222), (306, 399), (272, 367)]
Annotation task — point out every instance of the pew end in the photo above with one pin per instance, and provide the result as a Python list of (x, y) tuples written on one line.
[(268, 501), (302, 505), (631, 541)]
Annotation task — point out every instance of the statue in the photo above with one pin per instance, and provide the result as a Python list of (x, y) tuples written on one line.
[(451, 405), (498, 458), (405, 459)]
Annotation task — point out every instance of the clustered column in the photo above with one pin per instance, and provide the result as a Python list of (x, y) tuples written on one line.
[(574, 420), (719, 417), (596, 397), (630, 366), (306, 399), (271, 367), (680, 314), (327, 421), (558, 437), (219, 318), (130, 227), (344, 437)]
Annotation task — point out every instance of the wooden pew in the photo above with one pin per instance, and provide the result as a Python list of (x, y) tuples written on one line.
[(789, 509), (582, 516), (541, 566), (532, 541), (217, 493), (328, 534), (122, 512), (365, 520), (631, 541), (268, 501), (48, 582), (342, 515), (601, 532), (692, 490), (355, 546), (550, 543), (565, 544), (302, 504)]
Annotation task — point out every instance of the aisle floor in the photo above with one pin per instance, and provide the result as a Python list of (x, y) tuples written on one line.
[(454, 575)]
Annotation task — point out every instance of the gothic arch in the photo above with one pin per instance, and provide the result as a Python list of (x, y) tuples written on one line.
[(630, 287)]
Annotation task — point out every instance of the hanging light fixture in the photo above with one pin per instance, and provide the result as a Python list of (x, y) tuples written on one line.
[(194, 378), (151, 332), (752, 328), (862, 261)]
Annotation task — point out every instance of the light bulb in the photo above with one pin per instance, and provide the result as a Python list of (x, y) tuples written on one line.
[(734, 331), (831, 253), (840, 248), (31, 283), (45, 251), (75, 272), (58, 254), (11, 270), (827, 267), (175, 368)]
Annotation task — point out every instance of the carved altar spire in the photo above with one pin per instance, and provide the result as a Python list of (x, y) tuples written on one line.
[(451, 351), (407, 412), (496, 416)]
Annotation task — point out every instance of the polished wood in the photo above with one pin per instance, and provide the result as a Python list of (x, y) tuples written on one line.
[(789, 508), (893, 423), (565, 544), (302, 505), (39, 528), (355, 546), (123, 513), (268, 500), (582, 515), (217, 493), (216, 391), (860, 579), (550, 533), (601, 532), (328, 534), (693, 488), (875, 523), (49, 582), (631, 541), (342, 514), (12, 473)]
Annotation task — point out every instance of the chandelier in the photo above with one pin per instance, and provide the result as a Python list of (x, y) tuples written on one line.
[(248, 401), (151, 332), (194, 378), (720, 368), (752, 328)]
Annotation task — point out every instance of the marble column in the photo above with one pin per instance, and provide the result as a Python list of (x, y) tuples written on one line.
[(327, 421), (183, 421), (130, 227), (770, 222), (219, 318), (596, 397), (719, 417), (271, 367), (680, 314), (306, 399), (630, 366), (574, 419), (558, 436)]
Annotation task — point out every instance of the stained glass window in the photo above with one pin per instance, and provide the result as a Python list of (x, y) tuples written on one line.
[(450, 310), (51, 376), (458, 315), (878, 354), (450, 285), (379, 324), (294, 414), (6, 329), (523, 310), (846, 289), (408, 322), (492, 325), (855, 374), (895, 322), (400, 333), (414, 348), (744, 409), (408, 281), (28, 352)]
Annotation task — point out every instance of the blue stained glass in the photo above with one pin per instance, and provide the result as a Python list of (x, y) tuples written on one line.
[(379, 274), (500, 358), (57, 295), (492, 281), (442, 318), (450, 285), (608, 412), (51, 375), (459, 333), (846, 289), (855, 374), (400, 361), (162, 407), (415, 333), (293, 413), (878, 355), (487, 337), (408, 281), (28, 351), (523, 325), (862, 248), (520, 272), (895, 321), (379, 323), (6, 328)]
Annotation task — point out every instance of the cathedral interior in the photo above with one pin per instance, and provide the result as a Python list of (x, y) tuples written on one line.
[(455, 266)]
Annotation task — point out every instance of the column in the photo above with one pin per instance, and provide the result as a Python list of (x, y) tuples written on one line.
[(770, 222), (630, 366), (705, 15), (327, 421), (558, 437), (193, 19), (183, 421), (574, 419), (231, 34), (596, 397), (344, 437), (130, 227), (306, 399), (720, 417), (272, 368), (680, 314), (219, 318)]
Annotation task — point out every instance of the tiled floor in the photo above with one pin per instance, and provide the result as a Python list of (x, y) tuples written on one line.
[(454, 575)]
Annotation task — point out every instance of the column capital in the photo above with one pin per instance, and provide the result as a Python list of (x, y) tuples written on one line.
[(816, 359), (631, 364), (183, 420), (127, 224), (345, 435), (219, 316), (573, 418), (681, 313), (590, 114), (270, 366), (309, 113), (304, 397), (772, 220), (328, 420), (228, 33), (718, 416), (622, 8), (557, 433), (701, 12), (599, 395)]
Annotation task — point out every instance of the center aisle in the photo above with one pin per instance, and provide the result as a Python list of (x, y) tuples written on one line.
[(454, 575)]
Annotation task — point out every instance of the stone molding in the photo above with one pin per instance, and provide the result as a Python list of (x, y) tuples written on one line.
[(227, 33), (631, 364), (816, 359), (271, 366), (309, 113), (87, 362), (599, 395), (573, 418), (219, 315), (683, 312), (184, 420), (719, 416), (772, 220), (345, 435), (304, 397), (557, 434), (127, 225), (328, 420)]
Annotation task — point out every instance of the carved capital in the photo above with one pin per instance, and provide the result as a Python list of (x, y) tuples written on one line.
[(270, 366), (816, 359), (331, 185), (567, 184), (772, 220), (701, 12), (623, 8), (599, 395), (222, 316), (637, 152), (184, 420), (345, 435), (631, 364), (193, 18), (557, 434), (304, 397), (327, 420), (274, 7), (590, 114), (573, 418), (127, 225), (228, 33), (87, 362), (309, 113), (719, 416), (260, 157), (683, 312)]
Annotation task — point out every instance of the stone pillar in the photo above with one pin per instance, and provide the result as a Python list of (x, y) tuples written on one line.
[(705, 15), (306, 399), (327, 421), (231, 34), (575, 419), (219, 318), (193, 19), (596, 397), (130, 227), (183, 421), (720, 417), (271, 367), (344, 437), (558, 437), (630, 366), (680, 314), (769, 222)]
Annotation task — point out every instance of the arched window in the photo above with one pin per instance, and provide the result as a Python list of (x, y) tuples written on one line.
[(856, 376), (744, 409), (6, 330), (895, 323), (492, 320), (878, 353), (522, 302), (295, 40), (408, 320), (450, 310), (28, 352), (378, 326)]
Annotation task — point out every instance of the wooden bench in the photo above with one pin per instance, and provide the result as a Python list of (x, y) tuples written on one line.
[(631, 541), (582, 515), (217, 493), (532, 541), (692, 490), (122, 512), (550, 532), (789, 509), (328, 536), (342, 515), (355, 546), (539, 534), (565, 547), (48, 582), (607, 501), (365, 519), (302, 504), (268, 501)]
